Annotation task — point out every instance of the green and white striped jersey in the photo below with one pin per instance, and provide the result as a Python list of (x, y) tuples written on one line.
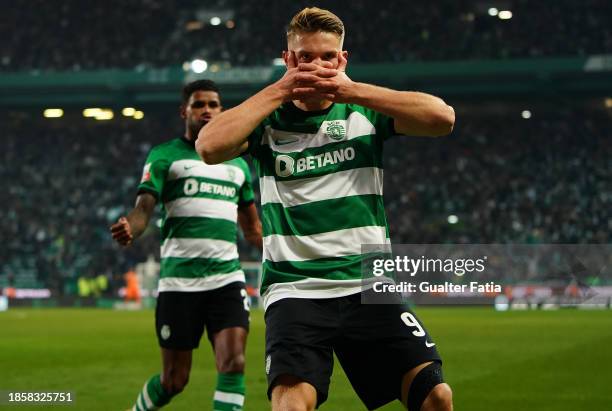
[(321, 179), (199, 208)]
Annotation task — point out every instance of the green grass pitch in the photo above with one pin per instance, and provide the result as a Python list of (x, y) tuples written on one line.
[(535, 360)]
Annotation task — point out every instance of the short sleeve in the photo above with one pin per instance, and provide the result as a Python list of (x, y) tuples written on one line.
[(153, 175), (246, 194), (255, 139), (384, 124)]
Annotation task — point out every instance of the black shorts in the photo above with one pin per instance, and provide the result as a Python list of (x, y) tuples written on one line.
[(375, 344), (180, 317)]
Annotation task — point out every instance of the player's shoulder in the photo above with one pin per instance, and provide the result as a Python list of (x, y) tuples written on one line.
[(167, 149), (171, 144), (356, 108)]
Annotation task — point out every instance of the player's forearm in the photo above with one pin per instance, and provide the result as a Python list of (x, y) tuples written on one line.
[(251, 225), (138, 220), (225, 136), (414, 113), (255, 239)]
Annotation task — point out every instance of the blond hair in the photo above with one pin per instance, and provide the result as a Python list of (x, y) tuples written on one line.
[(313, 19)]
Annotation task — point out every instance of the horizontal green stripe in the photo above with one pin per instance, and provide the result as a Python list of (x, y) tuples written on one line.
[(294, 120), (338, 268), (225, 406), (199, 227), (368, 153), (196, 267), (353, 267), (175, 189), (323, 216)]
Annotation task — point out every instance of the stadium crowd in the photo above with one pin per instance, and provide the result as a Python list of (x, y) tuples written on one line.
[(154, 33), (505, 179)]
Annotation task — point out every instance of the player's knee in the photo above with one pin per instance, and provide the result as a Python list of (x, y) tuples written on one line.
[(440, 398), (292, 394), (294, 407), (232, 364), (291, 403), (175, 381), (428, 392)]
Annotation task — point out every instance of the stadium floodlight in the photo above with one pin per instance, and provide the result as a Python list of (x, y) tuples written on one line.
[(526, 114), (105, 114), (128, 111), (493, 11), (608, 102), (215, 21), (199, 66), (505, 15), (53, 113), (91, 112), (453, 219), (138, 115)]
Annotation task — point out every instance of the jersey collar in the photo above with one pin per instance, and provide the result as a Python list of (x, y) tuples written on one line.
[(188, 142)]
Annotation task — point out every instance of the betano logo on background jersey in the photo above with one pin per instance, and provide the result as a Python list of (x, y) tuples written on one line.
[(286, 165), (192, 187)]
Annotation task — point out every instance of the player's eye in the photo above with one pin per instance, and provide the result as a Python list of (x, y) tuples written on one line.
[(213, 104), (329, 56), (198, 104), (305, 57)]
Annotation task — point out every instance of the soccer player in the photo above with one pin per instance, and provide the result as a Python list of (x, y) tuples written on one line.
[(201, 283), (317, 138)]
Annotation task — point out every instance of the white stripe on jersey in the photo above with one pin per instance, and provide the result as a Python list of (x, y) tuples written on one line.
[(199, 248), (357, 181), (212, 282), (196, 168), (202, 207), (324, 245)]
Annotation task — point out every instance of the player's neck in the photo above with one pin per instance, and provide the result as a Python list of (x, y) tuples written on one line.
[(189, 138), (312, 105)]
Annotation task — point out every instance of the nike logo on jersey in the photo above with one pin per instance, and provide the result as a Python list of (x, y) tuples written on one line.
[(189, 167), (428, 344), (283, 142)]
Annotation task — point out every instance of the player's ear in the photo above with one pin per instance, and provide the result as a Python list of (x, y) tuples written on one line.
[(182, 112), (286, 56), (342, 60), (290, 58)]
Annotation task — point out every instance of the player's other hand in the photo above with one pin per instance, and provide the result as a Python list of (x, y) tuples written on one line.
[(122, 232), (339, 87), (298, 82)]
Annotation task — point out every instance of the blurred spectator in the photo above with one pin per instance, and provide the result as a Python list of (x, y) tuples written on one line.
[(546, 179), (506, 180), (65, 183), (76, 35), (132, 288)]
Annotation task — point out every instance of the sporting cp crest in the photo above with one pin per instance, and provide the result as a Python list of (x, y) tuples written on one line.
[(335, 130)]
